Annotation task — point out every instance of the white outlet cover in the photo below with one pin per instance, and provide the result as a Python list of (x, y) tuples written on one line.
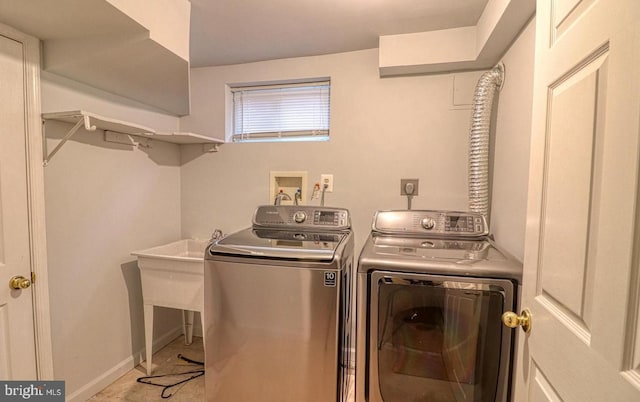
[(327, 179)]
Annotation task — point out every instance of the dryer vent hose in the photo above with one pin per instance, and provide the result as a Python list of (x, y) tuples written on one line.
[(488, 84)]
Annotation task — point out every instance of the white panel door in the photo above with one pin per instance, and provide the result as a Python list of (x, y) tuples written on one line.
[(582, 249), (17, 342)]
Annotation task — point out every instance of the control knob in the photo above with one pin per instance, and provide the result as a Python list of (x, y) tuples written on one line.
[(299, 216), (428, 223)]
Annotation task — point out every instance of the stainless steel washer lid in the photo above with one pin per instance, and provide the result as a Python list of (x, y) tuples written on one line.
[(459, 257), (279, 244)]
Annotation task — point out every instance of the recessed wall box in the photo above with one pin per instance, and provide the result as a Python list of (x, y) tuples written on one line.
[(289, 182)]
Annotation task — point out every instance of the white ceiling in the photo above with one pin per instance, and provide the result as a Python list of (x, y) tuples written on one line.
[(240, 31)]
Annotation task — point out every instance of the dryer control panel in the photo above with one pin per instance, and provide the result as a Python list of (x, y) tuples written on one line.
[(450, 224)]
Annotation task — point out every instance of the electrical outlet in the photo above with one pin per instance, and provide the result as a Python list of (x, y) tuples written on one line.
[(328, 180), (406, 186)]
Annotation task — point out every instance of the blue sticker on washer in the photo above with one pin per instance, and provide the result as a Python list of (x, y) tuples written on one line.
[(330, 278)]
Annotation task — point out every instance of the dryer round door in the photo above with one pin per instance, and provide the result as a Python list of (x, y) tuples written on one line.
[(438, 338)]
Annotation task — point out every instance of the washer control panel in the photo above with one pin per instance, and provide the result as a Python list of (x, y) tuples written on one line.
[(434, 223), (301, 216)]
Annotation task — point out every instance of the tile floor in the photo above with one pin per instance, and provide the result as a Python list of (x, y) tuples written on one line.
[(165, 361)]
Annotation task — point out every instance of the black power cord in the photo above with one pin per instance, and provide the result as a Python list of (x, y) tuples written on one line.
[(165, 388)]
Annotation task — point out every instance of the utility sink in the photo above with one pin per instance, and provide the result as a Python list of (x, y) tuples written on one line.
[(172, 276), (181, 250)]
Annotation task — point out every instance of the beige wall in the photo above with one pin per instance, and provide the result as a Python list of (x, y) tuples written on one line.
[(382, 130), (512, 136), (103, 200)]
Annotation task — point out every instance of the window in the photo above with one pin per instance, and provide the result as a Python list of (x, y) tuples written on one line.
[(289, 112)]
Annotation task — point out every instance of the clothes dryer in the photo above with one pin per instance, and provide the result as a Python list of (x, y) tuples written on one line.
[(432, 287)]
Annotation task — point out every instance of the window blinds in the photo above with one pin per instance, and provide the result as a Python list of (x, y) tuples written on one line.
[(295, 112)]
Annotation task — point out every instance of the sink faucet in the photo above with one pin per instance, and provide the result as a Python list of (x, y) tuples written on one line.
[(216, 235), (281, 196)]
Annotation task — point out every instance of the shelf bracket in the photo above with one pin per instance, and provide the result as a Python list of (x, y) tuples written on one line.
[(85, 120), (210, 148), (144, 142)]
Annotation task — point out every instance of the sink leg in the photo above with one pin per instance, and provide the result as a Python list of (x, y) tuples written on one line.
[(148, 335), (204, 337), (187, 320)]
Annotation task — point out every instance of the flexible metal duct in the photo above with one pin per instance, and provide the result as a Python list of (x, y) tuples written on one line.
[(488, 84)]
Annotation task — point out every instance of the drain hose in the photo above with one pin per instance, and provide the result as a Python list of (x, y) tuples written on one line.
[(488, 84)]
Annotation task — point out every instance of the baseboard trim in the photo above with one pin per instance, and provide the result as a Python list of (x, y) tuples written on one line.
[(108, 377)]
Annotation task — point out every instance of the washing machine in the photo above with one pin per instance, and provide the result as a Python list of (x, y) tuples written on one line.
[(432, 287), (277, 307)]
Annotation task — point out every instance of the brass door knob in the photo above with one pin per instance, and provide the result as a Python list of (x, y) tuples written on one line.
[(513, 320), (19, 282)]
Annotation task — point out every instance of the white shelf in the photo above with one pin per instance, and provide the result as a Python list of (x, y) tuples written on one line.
[(99, 122), (92, 122), (185, 138)]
